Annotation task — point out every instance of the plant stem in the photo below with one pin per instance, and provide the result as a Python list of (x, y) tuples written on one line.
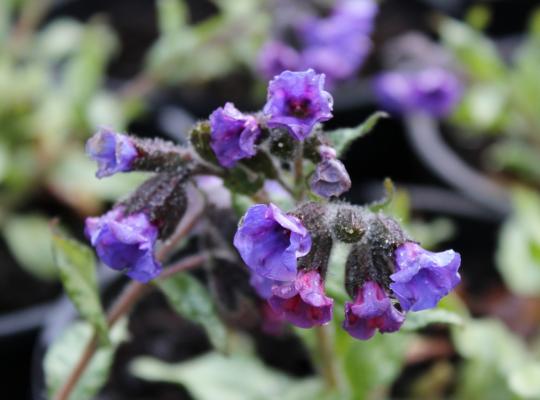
[(299, 171), (328, 363), (124, 303), (131, 294)]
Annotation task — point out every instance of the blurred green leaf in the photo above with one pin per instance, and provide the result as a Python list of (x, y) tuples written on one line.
[(421, 319), (516, 256), (371, 366), (189, 298), (490, 342), (493, 356), (30, 241), (238, 377), (343, 138), (483, 108), (84, 72), (73, 179), (66, 351), (243, 180), (105, 109), (76, 264), (475, 52), (517, 157), (525, 381), (59, 39), (172, 16), (478, 16)]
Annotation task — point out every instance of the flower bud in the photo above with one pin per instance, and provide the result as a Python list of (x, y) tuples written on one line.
[(163, 199), (330, 179), (348, 225)]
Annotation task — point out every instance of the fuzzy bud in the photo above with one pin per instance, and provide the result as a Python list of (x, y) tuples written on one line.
[(348, 225), (163, 199)]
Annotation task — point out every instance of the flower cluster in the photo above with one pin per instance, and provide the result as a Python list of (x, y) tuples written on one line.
[(277, 246), (296, 102), (434, 91), (335, 45)]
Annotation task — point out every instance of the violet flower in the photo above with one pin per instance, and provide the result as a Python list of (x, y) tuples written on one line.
[(270, 241), (125, 243), (303, 302), (276, 57), (433, 90), (233, 135), (394, 91), (113, 152), (371, 310), (297, 101), (330, 179), (422, 277), (263, 286), (436, 91)]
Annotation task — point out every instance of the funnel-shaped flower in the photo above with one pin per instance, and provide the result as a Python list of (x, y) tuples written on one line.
[(371, 310), (422, 277), (125, 243), (303, 302), (270, 241), (297, 101), (330, 179), (113, 152), (233, 135)]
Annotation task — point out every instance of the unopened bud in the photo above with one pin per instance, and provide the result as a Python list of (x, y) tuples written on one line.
[(330, 179), (348, 225)]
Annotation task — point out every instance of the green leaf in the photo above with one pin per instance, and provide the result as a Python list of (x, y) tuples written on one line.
[(66, 351), (389, 191), (29, 239), (243, 180), (421, 319), (371, 366), (189, 298), (342, 138), (475, 52), (525, 381), (490, 342), (238, 377), (517, 256), (172, 16), (76, 265)]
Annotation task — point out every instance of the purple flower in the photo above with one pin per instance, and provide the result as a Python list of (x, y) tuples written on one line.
[(371, 310), (432, 90), (263, 286), (270, 241), (394, 91), (422, 278), (113, 152), (303, 302), (276, 57), (337, 62), (436, 91), (361, 13), (297, 101), (330, 179), (233, 135), (125, 243)]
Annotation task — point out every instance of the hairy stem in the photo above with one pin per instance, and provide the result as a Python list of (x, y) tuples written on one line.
[(328, 363), (299, 172)]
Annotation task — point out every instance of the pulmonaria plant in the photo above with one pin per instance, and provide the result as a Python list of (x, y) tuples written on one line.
[(286, 252)]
